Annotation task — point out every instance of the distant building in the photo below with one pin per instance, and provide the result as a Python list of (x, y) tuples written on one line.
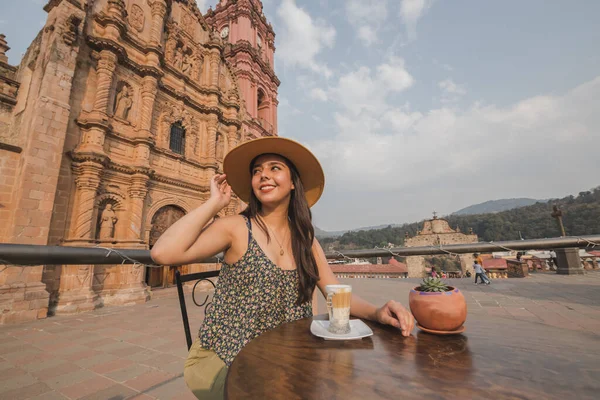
[(437, 232), (394, 269)]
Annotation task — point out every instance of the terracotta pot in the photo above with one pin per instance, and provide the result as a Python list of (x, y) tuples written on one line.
[(440, 311)]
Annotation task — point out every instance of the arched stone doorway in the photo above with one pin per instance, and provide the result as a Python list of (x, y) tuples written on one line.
[(161, 221)]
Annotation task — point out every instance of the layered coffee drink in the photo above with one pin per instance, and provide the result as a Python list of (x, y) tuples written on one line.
[(338, 306)]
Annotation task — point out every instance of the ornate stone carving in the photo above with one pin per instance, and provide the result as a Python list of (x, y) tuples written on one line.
[(123, 102), (187, 64), (105, 69), (187, 22), (136, 17), (116, 8), (70, 30), (107, 222)]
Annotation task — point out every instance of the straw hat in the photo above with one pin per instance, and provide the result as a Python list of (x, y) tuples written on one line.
[(237, 166)]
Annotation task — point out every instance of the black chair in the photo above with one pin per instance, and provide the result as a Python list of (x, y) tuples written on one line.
[(181, 279)]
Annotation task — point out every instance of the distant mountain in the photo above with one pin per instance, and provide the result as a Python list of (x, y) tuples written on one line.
[(320, 233), (494, 206)]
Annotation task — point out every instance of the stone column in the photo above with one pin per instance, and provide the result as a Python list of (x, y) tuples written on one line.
[(569, 262), (159, 9), (149, 90), (107, 63), (75, 292), (232, 137), (87, 180), (137, 196), (215, 58), (211, 129)]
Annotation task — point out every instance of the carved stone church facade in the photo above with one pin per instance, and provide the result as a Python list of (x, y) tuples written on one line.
[(110, 130)]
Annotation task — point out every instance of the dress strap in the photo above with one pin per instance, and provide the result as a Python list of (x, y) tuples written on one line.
[(249, 226)]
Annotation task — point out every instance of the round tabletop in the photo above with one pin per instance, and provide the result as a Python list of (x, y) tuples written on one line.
[(491, 359)]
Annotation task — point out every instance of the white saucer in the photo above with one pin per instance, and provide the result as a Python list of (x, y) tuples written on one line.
[(358, 330)]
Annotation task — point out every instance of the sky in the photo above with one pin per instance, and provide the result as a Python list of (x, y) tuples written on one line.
[(413, 106)]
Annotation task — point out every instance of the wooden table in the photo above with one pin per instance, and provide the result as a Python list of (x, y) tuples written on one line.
[(495, 358)]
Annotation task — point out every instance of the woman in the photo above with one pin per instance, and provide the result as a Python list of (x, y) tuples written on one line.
[(272, 261)]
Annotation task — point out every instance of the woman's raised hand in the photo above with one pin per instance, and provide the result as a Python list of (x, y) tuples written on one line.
[(220, 191)]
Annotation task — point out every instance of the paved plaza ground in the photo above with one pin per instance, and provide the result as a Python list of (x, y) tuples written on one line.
[(137, 352)]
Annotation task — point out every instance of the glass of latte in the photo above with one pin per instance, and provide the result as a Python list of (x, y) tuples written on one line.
[(338, 306)]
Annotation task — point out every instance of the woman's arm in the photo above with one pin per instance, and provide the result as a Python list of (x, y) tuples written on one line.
[(189, 240), (392, 313)]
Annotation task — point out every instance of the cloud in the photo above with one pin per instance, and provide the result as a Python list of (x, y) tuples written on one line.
[(451, 91), (411, 162), (410, 13), (366, 16), (365, 89), (303, 38), (318, 94)]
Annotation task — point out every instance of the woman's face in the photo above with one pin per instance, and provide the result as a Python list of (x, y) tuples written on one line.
[(271, 179)]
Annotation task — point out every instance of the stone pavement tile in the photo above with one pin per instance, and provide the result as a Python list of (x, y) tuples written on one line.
[(50, 363), (147, 341), (151, 379), (4, 365), (61, 369), (184, 396), (11, 373), (70, 379), (499, 312), (86, 338), (14, 347), (98, 359), (143, 355), (86, 387), (111, 332), (81, 355), (489, 304), (128, 373), (162, 358), (110, 366), (32, 358), (68, 350), (132, 337), (117, 347), (25, 392), (142, 396), (169, 389), (115, 392), (521, 312), (54, 346), (175, 367), (175, 348), (15, 383), (97, 344), (53, 395)]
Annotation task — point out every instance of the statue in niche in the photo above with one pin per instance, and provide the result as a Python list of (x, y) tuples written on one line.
[(178, 58), (197, 66), (187, 64), (123, 103), (108, 220)]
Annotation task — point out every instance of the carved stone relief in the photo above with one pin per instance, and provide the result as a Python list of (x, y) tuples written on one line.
[(136, 17), (123, 102)]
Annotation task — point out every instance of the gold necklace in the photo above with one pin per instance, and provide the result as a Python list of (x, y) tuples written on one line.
[(281, 252)]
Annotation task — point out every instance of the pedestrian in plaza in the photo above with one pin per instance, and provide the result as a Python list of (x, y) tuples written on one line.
[(263, 282), (479, 274)]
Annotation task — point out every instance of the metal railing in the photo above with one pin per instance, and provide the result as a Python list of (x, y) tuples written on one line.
[(32, 255)]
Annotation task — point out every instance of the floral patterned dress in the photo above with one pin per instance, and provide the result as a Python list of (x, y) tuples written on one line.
[(252, 296)]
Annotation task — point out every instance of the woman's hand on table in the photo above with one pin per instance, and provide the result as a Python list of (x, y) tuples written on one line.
[(394, 314)]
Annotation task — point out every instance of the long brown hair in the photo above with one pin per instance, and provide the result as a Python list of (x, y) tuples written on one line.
[(301, 229)]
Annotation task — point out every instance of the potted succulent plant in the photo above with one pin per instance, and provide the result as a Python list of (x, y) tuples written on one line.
[(437, 307)]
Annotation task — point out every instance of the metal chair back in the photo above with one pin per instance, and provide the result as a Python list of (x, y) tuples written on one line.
[(180, 280)]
